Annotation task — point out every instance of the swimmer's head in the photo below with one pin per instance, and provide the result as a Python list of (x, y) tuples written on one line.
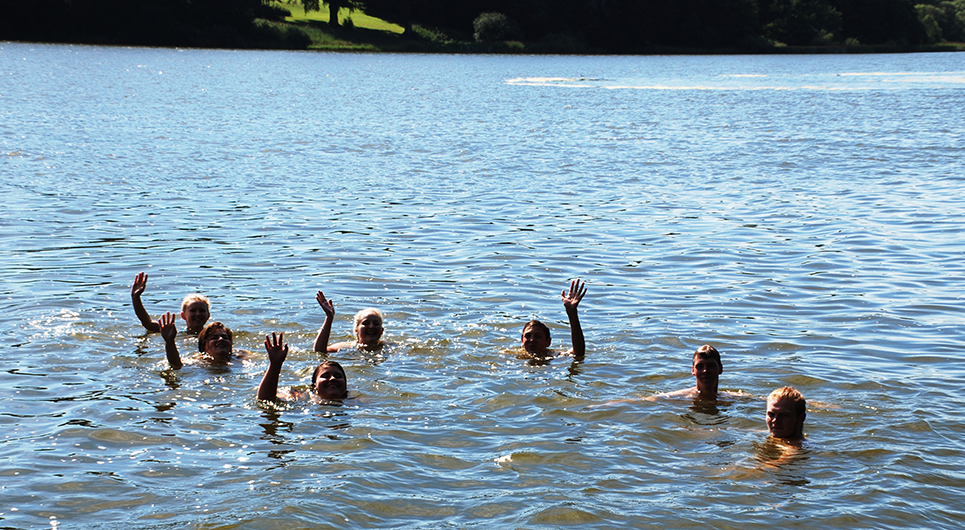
[(707, 352), (329, 381), (786, 410), (195, 310), (368, 326), (215, 339), (706, 368), (536, 337)]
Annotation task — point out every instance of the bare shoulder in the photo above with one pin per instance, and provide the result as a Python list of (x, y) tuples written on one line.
[(686, 393), (341, 346), (739, 395)]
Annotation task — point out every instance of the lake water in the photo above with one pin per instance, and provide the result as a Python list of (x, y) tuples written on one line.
[(804, 214)]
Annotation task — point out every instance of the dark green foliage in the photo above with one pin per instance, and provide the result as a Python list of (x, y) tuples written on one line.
[(880, 21), (199, 23), (799, 22), (943, 21), (269, 34), (271, 12), (929, 16), (567, 26), (490, 27)]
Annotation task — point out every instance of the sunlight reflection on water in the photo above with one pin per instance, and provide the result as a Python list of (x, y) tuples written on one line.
[(811, 235)]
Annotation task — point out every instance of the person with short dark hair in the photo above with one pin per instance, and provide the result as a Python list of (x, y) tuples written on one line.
[(329, 382), (214, 342), (536, 335), (706, 368)]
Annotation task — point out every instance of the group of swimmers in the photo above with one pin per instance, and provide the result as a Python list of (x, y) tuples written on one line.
[(786, 407)]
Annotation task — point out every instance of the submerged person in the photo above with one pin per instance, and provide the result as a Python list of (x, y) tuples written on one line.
[(195, 308), (706, 368), (214, 343), (786, 410), (329, 382), (367, 327), (536, 335)]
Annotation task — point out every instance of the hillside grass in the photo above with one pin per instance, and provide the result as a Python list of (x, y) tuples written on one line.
[(359, 18)]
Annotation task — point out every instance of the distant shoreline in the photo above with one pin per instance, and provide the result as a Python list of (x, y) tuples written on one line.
[(516, 49)]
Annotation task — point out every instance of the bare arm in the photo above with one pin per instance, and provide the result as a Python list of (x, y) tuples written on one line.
[(277, 352), (321, 340), (137, 288), (571, 302), (169, 332)]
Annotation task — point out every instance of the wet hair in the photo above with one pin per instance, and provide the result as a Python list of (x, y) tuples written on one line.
[(538, 325), (707, 352), (318, 370), (203, 336), (362, 314), (790, 394), (196, 297)]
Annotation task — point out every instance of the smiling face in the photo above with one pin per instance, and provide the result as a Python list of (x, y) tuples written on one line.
[(368, 327), (329, 381), (784, 420), (536, 339), (195, 314), (215, 341)]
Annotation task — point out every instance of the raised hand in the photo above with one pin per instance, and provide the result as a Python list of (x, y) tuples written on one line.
[(276, 347), (277, 351), (137, 288), (321, 340), (166, 324), (169, 331), (327, 305), (139, 285), (577, 291)]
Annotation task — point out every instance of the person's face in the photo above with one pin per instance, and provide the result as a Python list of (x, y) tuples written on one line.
[(330, 383), (535, 340), (783, 421), (369, 329), (195, 315), (218, 344), (707, 372)]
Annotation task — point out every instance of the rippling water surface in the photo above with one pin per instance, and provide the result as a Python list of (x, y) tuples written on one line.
[(803, 214)]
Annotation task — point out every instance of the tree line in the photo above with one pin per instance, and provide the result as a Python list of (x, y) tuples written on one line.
[(185, 23), (626, 26), (610, 26)]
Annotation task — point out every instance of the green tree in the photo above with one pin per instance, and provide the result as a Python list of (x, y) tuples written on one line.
[(799, 22), (943, 20), (928, 16), (489, 27), (880, 21)]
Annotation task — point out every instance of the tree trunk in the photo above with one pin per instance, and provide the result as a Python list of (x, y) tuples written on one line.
[(333, 7)]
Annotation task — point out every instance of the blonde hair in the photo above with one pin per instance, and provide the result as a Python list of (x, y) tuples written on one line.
[(790, 394), (196, 297), (362, 314)]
